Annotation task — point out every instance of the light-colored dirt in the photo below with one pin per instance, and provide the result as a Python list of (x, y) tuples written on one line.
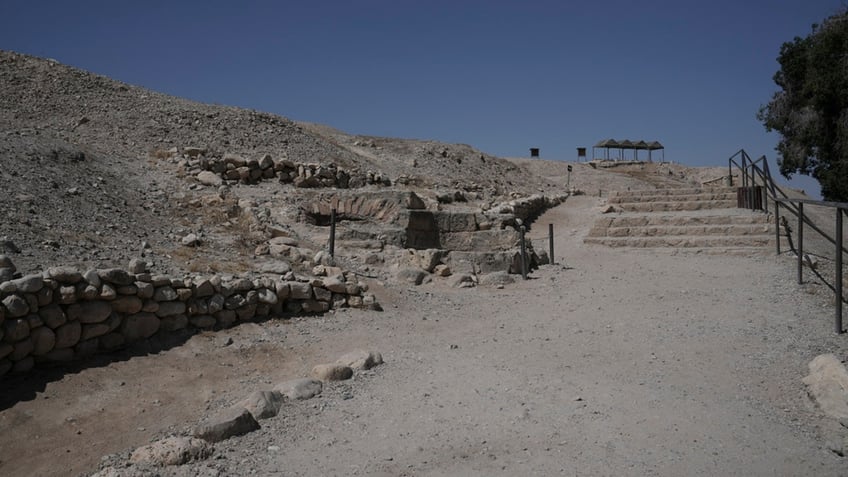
[(608, 363)]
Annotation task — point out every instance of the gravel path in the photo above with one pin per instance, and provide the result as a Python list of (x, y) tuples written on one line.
[(610, 363)]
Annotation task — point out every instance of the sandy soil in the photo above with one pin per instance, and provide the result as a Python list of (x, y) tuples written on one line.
[(610, 362)]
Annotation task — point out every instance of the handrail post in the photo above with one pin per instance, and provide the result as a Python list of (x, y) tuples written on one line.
[(332, 232), (838, 314), (777, 226), (523, 254), (800, 242), (730, 172), (551, 241)]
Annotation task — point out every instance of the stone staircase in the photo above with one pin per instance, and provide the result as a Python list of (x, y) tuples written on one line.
[(703, 220)]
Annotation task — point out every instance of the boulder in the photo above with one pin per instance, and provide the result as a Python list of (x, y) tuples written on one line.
[(140, 325), (332, 372), (361, 359), (52, 315), (262, 404), (116, 276), (275, 267), (209, 178), (300, 290), (68, 334), (412, 276), (43, 340), (89, 311), (14, 330), (65, 274), (496, 278), (299, 389), (827, 385), (127, 304), (335, 284), (234, 421), (29, 283), (16, 306)]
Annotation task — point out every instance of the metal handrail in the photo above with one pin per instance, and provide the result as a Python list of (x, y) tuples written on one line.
[(796, 207)]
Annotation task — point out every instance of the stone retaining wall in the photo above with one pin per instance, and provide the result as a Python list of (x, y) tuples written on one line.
[(234, 168), (64, 314)]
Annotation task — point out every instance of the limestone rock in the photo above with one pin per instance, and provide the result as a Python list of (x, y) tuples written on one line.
[(52, 315), (15, 306), (262, 404), (29, 283), (361, 359), (127, 304), (413, 276), (43, 340), (68, 334), (172, 451), (234, 421), (190, 240), (335, 284), (14, 330), (462, 280), (299, 389), (209, 178), (170, 308), (89, 311), (442, 270), (116, 276), (6, 262), (332, 372), (300, 290), (276, 267), (137, 266), (140, 325), (65, 274), (496, 278), (827, 385)]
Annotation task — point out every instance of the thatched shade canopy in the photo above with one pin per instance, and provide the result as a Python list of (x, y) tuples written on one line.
[(627, 144)]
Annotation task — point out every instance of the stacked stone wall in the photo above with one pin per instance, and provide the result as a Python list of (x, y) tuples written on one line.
[(64, 314), (237, 169)]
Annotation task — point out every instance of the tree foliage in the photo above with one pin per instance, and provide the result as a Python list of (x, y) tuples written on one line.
[(811, 110)]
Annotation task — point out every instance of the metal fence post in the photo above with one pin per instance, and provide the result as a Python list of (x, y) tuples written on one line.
[(523, 254), (332, 232), (800, 243), (551, 241), (777, 226), (838, 320)]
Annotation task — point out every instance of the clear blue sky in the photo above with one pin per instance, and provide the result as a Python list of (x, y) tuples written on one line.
[(501, 76)]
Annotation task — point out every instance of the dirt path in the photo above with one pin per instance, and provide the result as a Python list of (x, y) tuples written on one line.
[(609, 363)]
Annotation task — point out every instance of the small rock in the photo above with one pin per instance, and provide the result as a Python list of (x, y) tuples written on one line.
[(361, 359), (234, 421), (413, 276), (262, 404), (332, 372), (299, 389), (137, 266), (190, 240), (172, 451), (209, 178)]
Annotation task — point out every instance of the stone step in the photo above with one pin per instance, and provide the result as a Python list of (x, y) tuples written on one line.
[(703, 196), (686, 241), (672, 206), (743, 218), (676, 192), (677, 230)]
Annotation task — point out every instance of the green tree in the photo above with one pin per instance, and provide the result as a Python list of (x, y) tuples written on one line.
[(811, 110)]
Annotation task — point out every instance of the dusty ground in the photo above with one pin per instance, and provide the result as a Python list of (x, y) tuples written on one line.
[(612, 362), (608, 363)]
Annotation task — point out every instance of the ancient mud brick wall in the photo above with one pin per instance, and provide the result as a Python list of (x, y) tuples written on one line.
[(64, 314)]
